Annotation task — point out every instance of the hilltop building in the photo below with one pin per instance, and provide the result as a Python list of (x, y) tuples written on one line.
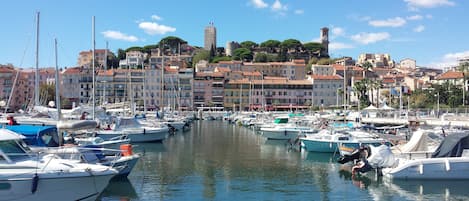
[(210, 37)]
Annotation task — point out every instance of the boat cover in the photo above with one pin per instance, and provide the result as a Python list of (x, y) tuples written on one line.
[(452, 146)]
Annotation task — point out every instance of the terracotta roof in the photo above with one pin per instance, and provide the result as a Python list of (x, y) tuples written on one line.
[(339, 67), (6, 69), (205, 74), (73, 70), (222, 69), (106, 72), (326, 77), (268, 82), (450, 75), (255, 73), (274, 78), (230, 62), (388, 80), (171, 70)]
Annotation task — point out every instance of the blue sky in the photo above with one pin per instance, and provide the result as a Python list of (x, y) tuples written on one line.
[(434, 32)]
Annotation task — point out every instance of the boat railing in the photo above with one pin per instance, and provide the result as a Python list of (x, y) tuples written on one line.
[(415, 155)]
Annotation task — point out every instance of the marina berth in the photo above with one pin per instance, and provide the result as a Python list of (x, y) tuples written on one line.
[(27, 175)]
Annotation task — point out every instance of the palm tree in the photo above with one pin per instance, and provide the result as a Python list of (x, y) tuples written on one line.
[(361, 89), (377, 85), (464, 67), (366, 67)]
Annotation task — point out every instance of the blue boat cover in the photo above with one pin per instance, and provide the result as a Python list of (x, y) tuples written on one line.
[(37, 135)]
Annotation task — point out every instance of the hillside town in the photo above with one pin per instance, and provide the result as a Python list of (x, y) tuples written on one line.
[(167, 77)]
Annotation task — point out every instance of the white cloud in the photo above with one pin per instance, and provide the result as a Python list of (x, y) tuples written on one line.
[(153, 28), (299, 12), (367, 38), (156, 17), (428, 16), (415, 17), (339, 46), (259, 4), (317, 40), (450, 59), (419, 28), (278, 6), (415, 4), (337, 31), (391, 22), (117, 35)]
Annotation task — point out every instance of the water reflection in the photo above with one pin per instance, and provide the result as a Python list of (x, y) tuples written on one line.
[(219, 161), (121, 189)]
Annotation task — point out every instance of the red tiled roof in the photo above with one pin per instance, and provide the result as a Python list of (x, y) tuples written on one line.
[(274, 78), (326, 77), (222, 69), (255, 73), (450, 75), (339, 67), (267, 82)]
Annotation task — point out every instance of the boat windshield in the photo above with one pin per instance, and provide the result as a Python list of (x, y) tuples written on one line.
[(13, 149)]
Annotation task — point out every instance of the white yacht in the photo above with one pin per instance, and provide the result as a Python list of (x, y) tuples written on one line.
[(25, 175), (135, 131), (449, 161)]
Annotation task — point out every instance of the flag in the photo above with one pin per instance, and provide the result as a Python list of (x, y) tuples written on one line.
[(405, 90)]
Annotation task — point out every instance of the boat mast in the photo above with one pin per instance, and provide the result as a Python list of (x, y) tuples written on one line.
[(57, 82), (57, 92), (36, 80), (93, 64)]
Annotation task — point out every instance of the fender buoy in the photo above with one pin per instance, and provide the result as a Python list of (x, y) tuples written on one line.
[(35, 183), (126, 149)]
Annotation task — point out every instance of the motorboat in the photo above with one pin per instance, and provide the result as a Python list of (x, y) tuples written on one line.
[(135, 131), (335, 142), (27, 175), (45, 139), (449, 161)]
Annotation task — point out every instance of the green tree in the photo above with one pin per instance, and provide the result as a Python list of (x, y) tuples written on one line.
[(261, 57), (134, 48), (147, 48), (242, 54), (324, 61), (248, 45), (120, 54), (367, 66), (292, 45), (221, 58), (464, 67), (361, 89), (200, 55), (271, 45), (313, 47), (47, 93), (171, 42)]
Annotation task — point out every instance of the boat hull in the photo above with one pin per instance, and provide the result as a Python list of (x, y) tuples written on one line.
[(430, 168), (55, 188), (331, 146), (273, 134), (141, 135)]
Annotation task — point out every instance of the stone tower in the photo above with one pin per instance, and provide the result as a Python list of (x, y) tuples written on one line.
[(325, 41), (210, 37)]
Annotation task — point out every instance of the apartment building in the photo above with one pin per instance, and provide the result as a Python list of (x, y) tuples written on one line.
[(85, 57)]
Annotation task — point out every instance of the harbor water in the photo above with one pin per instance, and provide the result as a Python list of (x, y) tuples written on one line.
[(220, 161)]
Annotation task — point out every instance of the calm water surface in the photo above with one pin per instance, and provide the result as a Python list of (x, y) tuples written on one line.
[(219, 161)]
